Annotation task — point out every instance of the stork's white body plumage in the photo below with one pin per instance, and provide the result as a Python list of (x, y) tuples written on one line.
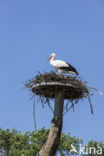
[(61, 66)]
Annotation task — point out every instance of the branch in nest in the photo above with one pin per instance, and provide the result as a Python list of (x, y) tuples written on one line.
[(66, 107), (90, 104), (34, 114)]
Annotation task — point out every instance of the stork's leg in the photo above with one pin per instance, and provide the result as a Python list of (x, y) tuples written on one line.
[(60, 72)]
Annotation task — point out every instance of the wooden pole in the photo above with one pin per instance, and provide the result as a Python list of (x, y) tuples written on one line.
[(51, 144)]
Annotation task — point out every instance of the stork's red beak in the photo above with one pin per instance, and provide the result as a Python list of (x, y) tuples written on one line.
[(49, 58)]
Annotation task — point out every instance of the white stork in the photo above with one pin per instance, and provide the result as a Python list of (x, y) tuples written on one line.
[(61, 66)]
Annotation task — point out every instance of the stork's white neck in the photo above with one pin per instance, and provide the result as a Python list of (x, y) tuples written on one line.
[(52, 59)]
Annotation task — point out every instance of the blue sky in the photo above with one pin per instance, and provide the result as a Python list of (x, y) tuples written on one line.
[(29, 32)]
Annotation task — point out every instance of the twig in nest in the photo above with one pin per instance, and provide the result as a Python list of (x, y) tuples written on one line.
[(50, 106), (42, 101), (73, 106), (39, 72), (99, 91), (34, 114), (90, 104), (47, 101), (66, 107)]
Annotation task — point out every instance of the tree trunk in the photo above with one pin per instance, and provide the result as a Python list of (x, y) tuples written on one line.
[(50, 146)]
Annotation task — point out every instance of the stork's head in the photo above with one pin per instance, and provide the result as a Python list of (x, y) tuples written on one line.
[(53, 55)]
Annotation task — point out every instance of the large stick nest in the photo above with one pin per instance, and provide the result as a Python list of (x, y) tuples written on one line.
[(48, 84)]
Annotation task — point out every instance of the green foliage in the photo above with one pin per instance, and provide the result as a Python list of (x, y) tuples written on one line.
[(65, 143), (38, 139), (5, 141), (14, 143), (27, 144)]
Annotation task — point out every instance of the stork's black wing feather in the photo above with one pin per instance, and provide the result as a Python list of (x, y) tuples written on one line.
[(69, 68), (72, 68)]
